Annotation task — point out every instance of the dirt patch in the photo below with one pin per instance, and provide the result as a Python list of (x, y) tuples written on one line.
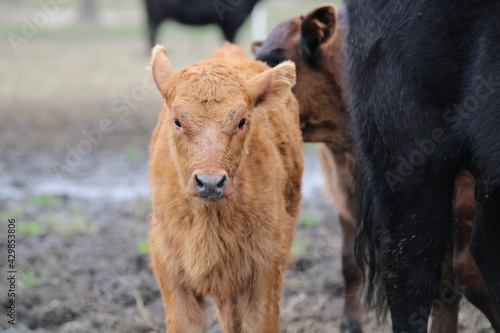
[(82, 267), (80, 260)]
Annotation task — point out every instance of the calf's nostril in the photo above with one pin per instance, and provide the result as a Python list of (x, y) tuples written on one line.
[(199, 183), (222, 182)]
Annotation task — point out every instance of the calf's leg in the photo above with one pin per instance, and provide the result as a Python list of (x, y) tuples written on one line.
[(259, 310), (185, 311), (248, 314), (338, 169), (254, 308), (226, 311)]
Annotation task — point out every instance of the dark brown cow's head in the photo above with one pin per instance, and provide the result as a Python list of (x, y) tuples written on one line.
[(207, 119), (314, 43)]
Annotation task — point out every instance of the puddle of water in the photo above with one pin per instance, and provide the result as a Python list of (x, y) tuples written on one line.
[(107, 182), (118, 192)]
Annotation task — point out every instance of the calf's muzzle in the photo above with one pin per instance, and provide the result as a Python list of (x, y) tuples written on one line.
[(210, 185)]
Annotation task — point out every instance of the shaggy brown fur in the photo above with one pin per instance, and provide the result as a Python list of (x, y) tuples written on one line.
[(314, 43), (230, 116)]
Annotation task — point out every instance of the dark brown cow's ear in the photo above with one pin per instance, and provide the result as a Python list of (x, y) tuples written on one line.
[(318, 27), (255, 46), (160, 66)]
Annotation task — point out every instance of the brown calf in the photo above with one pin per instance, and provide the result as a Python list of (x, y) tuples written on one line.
[(225, 171), (314, 43)]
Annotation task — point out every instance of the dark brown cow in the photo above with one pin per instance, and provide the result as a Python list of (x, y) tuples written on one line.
[(314, 43)]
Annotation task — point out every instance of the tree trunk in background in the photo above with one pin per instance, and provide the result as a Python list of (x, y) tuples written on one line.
[(87, 10)]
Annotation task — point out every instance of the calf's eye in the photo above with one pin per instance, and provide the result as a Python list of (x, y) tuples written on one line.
[(177, 123), (242, 123)]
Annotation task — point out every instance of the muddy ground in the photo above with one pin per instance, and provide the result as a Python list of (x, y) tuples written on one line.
[(78, 190)]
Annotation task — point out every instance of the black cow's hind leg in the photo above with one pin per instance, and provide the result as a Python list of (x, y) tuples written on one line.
[(418, 231)]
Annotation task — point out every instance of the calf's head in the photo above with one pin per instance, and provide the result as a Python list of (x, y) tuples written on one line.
[(208, 119), (314, 43)]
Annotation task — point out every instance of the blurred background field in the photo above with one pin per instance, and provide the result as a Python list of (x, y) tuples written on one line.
[(79, 194), (71, 70)]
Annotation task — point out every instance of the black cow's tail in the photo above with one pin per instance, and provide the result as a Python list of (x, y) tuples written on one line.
[(369, 246)]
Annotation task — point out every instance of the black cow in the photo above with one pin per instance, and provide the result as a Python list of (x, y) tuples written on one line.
[(228, 14), (324, 118), (424, 83)]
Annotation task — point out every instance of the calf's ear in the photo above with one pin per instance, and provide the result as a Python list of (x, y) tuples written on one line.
[(272, 87), (160, 65), (255, 46), (318, 27)]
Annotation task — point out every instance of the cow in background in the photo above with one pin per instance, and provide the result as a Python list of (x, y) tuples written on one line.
[(314, 43), (228, 15)]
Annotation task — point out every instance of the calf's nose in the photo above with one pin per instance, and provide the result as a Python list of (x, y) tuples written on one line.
[(210, 186)]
